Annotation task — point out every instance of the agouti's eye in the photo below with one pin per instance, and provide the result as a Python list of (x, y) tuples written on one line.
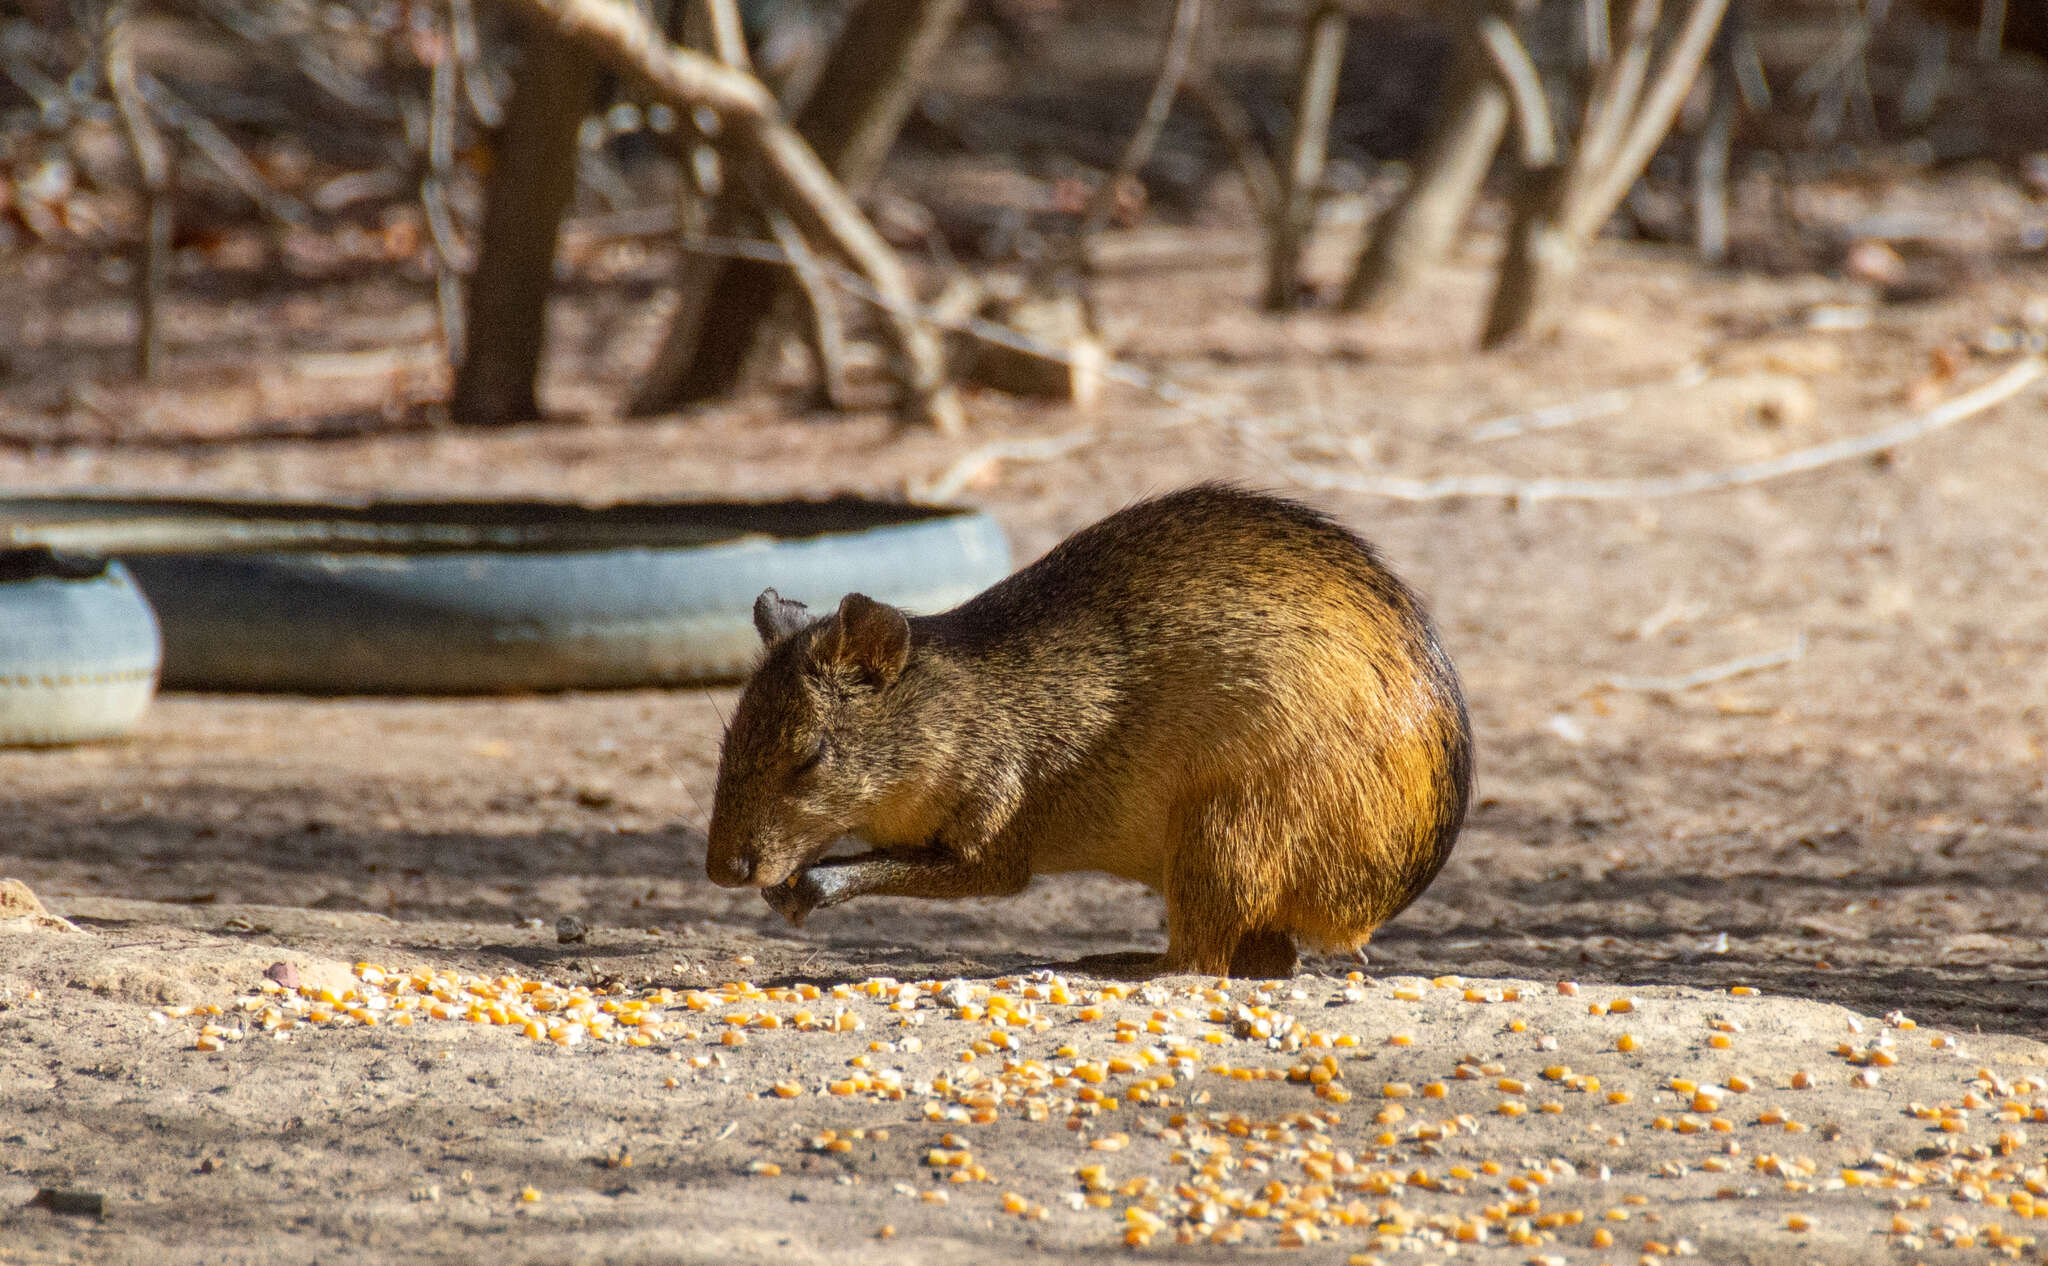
[(810, 762)]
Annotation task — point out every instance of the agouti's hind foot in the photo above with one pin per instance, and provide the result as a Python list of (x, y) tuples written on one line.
[(1263, 955)]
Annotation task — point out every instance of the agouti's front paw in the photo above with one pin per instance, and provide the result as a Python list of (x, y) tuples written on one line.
[(796, 898)]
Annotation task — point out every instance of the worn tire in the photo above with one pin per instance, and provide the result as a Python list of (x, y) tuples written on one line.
[(79, 650), (470, 598)]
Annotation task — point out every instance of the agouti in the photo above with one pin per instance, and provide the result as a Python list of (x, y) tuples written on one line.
[(1220, 694)]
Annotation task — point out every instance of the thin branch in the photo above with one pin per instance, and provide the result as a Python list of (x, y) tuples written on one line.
[(1616, 89), (1254, 166), (1991, 29), (1322, 58), (825, 330), (263, 27), (1173, 70), (685, 80), (728, 36), (2014, 380), (1740, 667), (1660, 105), (215, 146), (476, 83), (1596, 41), (440, 219), (1517, 72), (153, 164)]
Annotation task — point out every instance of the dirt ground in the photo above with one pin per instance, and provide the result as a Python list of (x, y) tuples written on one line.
[(1862, 827)]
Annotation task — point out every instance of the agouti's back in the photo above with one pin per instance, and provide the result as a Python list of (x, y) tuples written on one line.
[(1221, 694)]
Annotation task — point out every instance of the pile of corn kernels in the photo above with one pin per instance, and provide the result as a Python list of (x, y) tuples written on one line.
[(1415, 1164)]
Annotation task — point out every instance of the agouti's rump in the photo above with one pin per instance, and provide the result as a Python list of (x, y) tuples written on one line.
[(1220, 694)]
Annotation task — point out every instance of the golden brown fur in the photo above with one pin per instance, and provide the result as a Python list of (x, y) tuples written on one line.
[(1220, 694)]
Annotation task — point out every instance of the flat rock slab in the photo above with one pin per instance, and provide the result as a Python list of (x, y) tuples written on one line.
[(427, 1092)]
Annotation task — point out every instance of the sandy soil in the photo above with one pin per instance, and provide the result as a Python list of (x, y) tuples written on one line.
[(1861, 828)]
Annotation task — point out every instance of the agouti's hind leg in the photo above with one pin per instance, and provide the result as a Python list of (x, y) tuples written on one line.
[(1266, 954), (1212, 904)]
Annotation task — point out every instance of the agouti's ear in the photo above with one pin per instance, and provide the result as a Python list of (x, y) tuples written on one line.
[(776, 617), (868, 636)]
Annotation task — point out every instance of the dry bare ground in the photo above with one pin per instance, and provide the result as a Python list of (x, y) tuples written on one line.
[(1858, 830)]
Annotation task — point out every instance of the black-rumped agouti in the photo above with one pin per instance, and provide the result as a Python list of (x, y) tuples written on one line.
[(1220, 694)]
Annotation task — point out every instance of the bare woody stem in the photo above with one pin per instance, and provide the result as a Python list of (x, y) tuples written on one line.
[(1419, 228), (754, 132), (1653, 117), (1173, 70), (1517, 73), (153, 163)]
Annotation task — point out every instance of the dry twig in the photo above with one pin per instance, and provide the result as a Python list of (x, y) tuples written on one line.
[(1971, 403), (954, 479), (1599, 404), (1739, 667)]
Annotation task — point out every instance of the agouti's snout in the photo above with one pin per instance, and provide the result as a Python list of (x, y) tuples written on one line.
[(734, 871)]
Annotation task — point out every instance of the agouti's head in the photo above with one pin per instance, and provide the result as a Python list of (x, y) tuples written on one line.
[(811, 746)]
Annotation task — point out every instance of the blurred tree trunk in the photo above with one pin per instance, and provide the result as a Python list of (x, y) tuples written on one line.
[(851, 119), (1322, 57), (533, 174), (1559, 206), (1417, 231)]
